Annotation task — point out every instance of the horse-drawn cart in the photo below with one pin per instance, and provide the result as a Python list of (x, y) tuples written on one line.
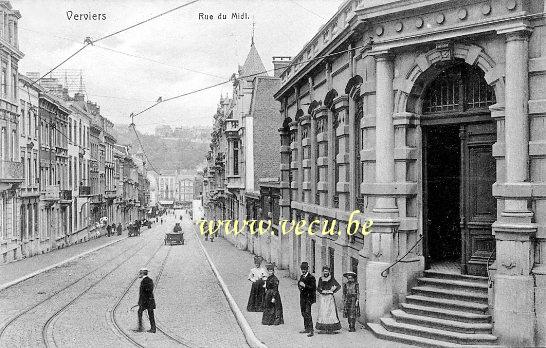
[(176, 236)]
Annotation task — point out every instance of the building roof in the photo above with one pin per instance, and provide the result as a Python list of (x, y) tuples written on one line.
[(253, 64)]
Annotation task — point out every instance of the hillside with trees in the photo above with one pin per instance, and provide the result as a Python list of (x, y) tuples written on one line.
[(164, 153)]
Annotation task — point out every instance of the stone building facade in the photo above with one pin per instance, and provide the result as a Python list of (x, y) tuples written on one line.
[(11, 168), (427, 118), (243, 151)]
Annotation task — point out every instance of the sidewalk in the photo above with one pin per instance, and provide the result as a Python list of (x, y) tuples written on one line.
[(234, 266), (17, 269)]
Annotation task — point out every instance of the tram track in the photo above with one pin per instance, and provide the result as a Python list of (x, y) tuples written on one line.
[(47, 337), (119, 329), (27, 310)]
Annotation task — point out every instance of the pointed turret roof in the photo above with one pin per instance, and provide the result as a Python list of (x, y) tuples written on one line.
[(253, 64)]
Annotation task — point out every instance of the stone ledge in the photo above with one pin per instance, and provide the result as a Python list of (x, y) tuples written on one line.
[(517, 190), (537, 106), (391, 189)]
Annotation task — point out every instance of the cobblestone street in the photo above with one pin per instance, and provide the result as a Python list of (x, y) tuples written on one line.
[(89, 300)]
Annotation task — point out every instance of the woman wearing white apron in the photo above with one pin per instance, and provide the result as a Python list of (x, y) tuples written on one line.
[(328, 319)]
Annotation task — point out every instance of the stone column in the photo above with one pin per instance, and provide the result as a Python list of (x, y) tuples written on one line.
[(514, 297), (305, 123), (314, 149), (321, 119), (294, 266), (284, 201), (384, 130), (341, 111), (380, 291)]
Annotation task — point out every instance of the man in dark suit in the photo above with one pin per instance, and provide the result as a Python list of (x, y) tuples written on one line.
[(146, 300), (308, 296)]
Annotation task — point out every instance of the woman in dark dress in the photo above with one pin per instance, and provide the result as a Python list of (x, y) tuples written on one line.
[(257, 276), (272, 301)]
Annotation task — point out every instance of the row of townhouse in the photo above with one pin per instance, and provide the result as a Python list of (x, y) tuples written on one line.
[(428, 118), (61, 169), (241, 179)]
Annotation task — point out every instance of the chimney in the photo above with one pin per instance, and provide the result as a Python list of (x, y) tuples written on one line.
[(279, 63), (65, 94), (79, 97)]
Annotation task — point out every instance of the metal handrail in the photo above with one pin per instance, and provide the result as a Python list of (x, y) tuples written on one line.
[(386, 270), (489, 282)]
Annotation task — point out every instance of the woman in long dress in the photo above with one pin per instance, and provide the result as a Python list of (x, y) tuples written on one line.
[(272, 301), (351, 294), (257, 276), (328, 320)]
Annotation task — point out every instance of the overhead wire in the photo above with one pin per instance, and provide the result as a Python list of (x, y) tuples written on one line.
[(142, 148), (127, 54), (88, 41), (247, 76)]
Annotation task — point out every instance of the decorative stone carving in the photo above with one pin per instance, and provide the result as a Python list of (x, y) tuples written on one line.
[(419, 23), (398, 27), (462, 14), (486, 9), (445, 49), (379, 31), (511, 5), (440, 18)]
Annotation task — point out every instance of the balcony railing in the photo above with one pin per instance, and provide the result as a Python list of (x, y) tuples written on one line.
[(11, 171), (66, 195), (110, 193), (51, 193), (85, 191), (232, 125)]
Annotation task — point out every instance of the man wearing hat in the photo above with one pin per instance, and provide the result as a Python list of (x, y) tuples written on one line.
[(307, 286), (146, 299), (351, 294)]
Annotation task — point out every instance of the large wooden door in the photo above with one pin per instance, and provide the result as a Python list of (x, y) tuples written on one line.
[(477, 204)]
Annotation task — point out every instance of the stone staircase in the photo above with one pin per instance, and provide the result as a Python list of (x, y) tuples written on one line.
[(443, 310)]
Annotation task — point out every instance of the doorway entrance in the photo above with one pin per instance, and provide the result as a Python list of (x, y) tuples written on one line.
[(458, 171)]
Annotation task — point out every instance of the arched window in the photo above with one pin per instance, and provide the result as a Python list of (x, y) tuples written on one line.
[(458, 88)]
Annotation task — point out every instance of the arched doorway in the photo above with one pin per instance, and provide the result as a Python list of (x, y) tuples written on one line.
[(458, 167)]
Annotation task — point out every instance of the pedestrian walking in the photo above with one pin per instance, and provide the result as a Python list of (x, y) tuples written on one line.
[(351, 294), (257, 276), (307, 286), (272, 299), (108, 230), (162, 221), (146, 300), (119, 229), (327, 320)]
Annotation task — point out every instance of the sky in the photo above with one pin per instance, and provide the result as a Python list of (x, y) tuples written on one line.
[(177, 52)]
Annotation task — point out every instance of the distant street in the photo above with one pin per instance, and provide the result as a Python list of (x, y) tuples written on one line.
[(88, 302)]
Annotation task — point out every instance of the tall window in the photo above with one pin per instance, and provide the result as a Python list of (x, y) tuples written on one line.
[(13, 145), (458, 88), (4, 80), (14, 84), (235, 158), (23, 118)]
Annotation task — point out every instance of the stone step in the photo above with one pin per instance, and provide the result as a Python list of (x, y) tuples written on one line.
[(433, 291), (447, 314), (437, 334), (444, 324), (455, 284), (383, 333), (448, 303), (455, 276)]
